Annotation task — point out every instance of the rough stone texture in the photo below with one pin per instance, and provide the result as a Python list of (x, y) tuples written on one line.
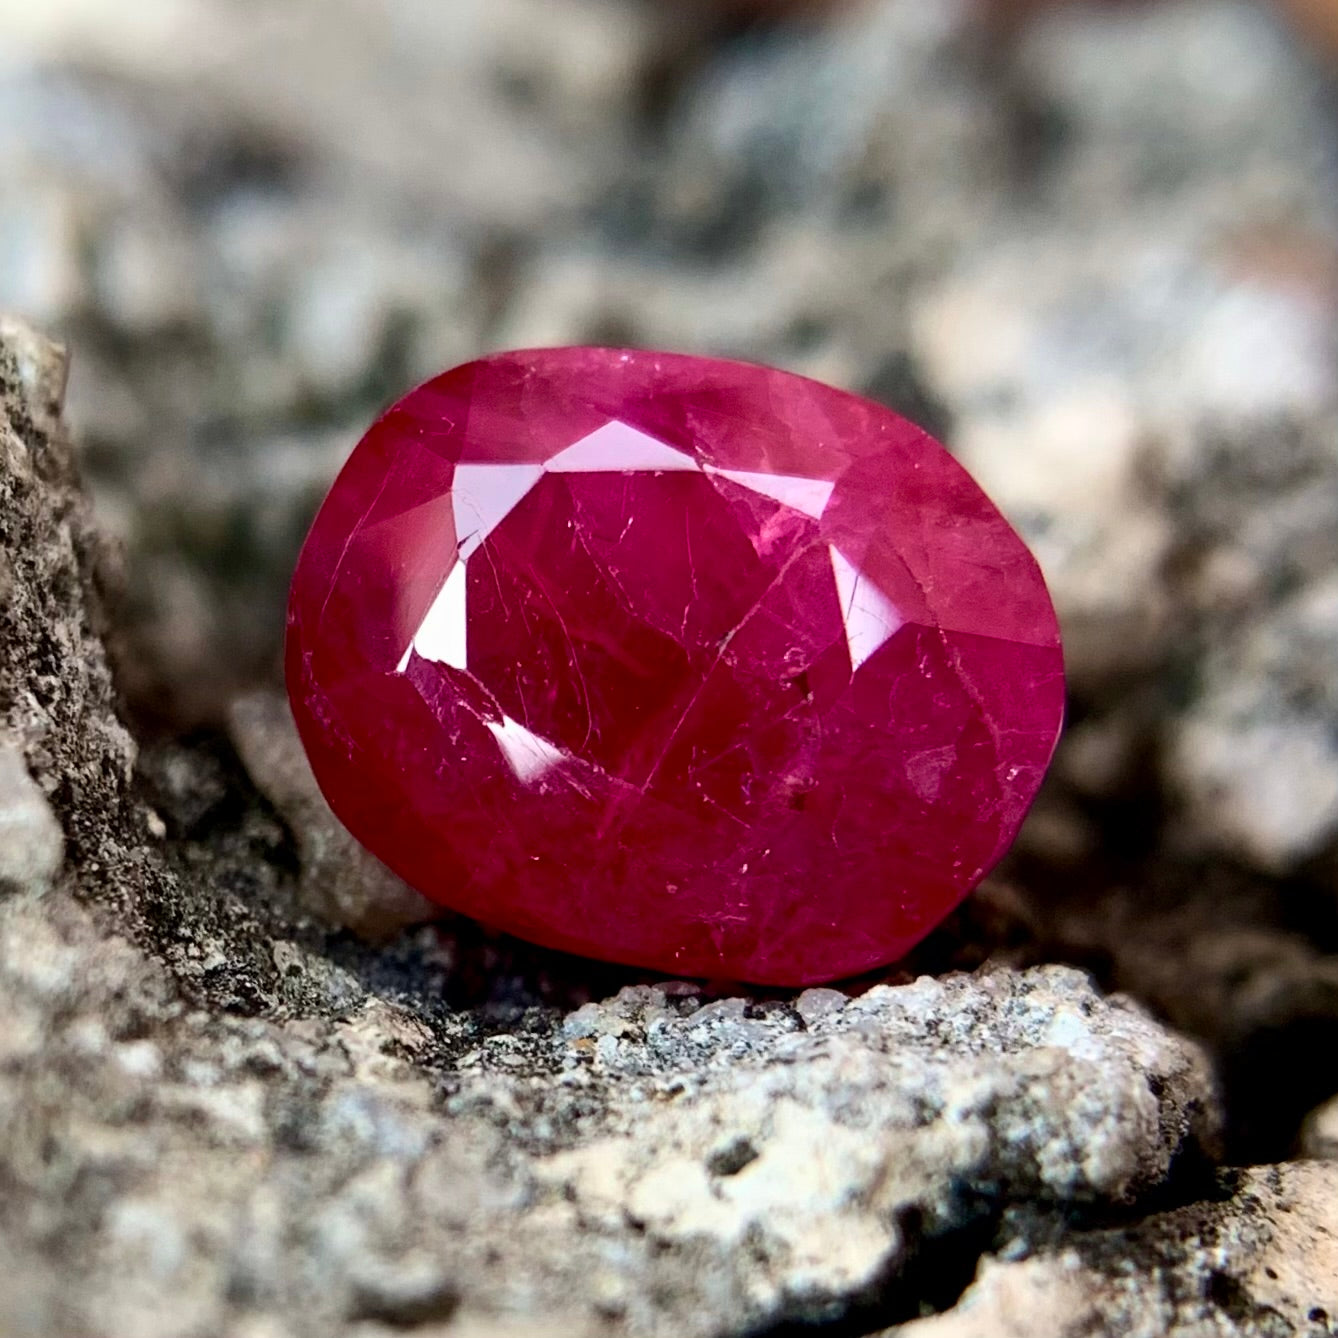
[(57, 703), (970, 1061), (1263, 1261), (1253, 755), (1266, 998), (653, 1164)]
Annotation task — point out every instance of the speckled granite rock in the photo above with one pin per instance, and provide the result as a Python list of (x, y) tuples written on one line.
[(57, 706), (653, 1165), (1264, 999)]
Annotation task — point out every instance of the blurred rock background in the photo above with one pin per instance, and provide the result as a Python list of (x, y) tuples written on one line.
[(1092, 246)]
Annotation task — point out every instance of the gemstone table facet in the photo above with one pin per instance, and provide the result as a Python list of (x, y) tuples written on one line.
[(673, 661)]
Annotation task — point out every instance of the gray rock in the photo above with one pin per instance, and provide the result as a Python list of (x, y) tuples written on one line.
[(1262, 998), (1262, 1261), (32, 846), (1319, 1133), (58, 702), (1256, 755), (815, 1141), (970, 1063), (662, 1165)]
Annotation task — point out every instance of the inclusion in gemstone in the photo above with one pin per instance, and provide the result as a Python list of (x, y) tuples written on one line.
[(673, 661)]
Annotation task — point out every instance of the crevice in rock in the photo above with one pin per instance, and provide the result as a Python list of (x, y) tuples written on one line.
[(939, 1266), (928, 1280)]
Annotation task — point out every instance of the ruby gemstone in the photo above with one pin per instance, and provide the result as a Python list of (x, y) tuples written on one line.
[(673, 661)]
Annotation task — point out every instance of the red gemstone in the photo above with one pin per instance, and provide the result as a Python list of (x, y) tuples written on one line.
[(672, 661)]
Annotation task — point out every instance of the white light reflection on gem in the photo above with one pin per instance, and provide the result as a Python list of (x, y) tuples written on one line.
[(802, 494), (483, 496), (870, 618), (528, 756), (618, 449), (441, 634)]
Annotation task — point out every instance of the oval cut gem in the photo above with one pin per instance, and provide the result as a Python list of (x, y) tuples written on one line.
[(673, 661)]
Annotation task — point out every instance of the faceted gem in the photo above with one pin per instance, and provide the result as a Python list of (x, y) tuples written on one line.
[(672, 661)]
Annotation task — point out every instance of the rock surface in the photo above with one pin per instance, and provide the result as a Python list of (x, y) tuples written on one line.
[(58, 716), (1319, 1133), (1263, 1260), (652, 1163)]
